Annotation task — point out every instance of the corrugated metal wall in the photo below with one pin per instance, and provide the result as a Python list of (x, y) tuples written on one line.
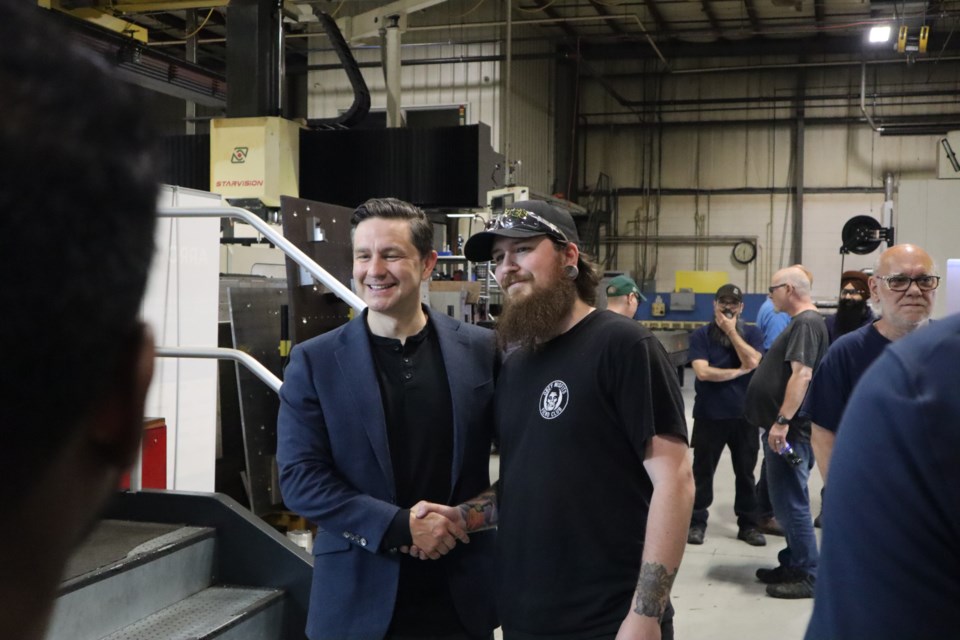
[(839, 157)]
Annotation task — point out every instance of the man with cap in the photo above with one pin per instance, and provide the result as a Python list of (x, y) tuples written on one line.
[(595, 481), (853, 311), (623, 296), (723, 355)]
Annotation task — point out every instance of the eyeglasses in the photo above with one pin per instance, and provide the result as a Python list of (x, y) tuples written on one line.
[(528, 221), (900, 282), (775, 287), (849, 293)]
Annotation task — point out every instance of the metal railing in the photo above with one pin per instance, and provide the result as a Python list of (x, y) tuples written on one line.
[(220, 353), (295, 254)]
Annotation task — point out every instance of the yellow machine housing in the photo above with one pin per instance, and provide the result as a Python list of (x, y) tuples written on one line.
[(255, 158)]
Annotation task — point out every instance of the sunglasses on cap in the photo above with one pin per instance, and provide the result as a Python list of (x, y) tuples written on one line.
[(527, 221)]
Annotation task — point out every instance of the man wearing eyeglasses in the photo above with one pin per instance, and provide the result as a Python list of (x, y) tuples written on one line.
[(890, 566), (595, 482), (853, 311), (773, 402), (904, 286)]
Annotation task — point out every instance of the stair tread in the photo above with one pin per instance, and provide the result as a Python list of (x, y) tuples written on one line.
[(202, 615), (116, 545)]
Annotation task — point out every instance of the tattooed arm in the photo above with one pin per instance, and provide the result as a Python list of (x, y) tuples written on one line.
[(668, 465), (476, 514)]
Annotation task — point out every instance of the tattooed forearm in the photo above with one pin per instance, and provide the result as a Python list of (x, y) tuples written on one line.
[(653, 588), (480, 512)]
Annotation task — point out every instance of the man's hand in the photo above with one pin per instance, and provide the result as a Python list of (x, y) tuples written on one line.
[(638, 627), (434, 533), (726, 324), (778, 436)]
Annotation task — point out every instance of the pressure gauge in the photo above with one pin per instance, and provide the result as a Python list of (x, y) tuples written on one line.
[(745, 252)]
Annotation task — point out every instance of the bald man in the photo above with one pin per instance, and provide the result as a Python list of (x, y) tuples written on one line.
[(904, 286), (773, 402)]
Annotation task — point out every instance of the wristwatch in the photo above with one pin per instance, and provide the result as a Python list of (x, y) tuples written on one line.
[(781, 420)]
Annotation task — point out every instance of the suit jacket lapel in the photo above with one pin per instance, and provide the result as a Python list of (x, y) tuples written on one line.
[(355, 360), (455, 347)]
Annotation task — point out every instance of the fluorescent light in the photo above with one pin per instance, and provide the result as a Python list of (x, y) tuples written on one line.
[(880, 33), (461, 215)]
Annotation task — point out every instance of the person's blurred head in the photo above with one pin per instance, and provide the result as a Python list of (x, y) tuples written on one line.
[(78, 198)]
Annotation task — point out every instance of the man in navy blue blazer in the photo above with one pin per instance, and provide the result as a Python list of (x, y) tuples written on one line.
[(389, 410)]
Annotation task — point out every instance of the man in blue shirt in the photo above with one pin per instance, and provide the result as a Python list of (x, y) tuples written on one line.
[(771, 322), (890, 566), (904, 286), (723, 355)]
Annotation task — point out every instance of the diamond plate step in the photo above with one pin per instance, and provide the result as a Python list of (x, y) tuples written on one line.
[(126, 571), (224, 613)]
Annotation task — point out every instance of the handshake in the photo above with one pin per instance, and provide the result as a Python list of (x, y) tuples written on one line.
[(435, 530)]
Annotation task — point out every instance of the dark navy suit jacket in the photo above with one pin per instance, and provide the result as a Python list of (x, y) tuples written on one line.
[(336, 471)]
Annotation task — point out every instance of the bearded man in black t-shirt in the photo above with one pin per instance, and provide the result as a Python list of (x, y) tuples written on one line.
[(595, 481)]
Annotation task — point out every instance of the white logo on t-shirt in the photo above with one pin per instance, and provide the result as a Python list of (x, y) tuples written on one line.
[(554, 399)]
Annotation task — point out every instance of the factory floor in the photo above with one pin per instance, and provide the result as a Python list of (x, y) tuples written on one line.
[(716, 594)]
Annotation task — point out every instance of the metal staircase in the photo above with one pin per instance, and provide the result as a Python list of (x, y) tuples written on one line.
[(226, 575)]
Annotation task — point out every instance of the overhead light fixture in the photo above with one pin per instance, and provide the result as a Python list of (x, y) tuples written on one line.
[(462, 215), (880, 33)]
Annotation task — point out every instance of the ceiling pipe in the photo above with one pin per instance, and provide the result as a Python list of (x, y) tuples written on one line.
[(863, 99)]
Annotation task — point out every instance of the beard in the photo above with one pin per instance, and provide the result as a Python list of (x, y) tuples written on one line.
[(537, 317), (850, 315), (715, 334)]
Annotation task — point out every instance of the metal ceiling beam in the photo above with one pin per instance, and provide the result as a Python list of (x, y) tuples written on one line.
[(604, 11), (658, 19), (550, 12), (819, 12), (711, 16), (752, 15)]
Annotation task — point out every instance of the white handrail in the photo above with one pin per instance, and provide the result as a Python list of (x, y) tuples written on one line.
[(220, 353), (295, 254)]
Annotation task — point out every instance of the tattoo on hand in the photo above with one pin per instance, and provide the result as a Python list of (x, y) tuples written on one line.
[(653, 588), (481, 512)]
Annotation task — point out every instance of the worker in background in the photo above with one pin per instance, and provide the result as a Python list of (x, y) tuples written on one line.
[(78, 196), (773, 402), (595, 483), (771, 323), (623, 296), (890, 567), (723, 355), (904, 287), (853, 311), (390, 409)]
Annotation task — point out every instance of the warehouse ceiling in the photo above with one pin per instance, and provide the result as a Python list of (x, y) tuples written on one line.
[(664, 30)]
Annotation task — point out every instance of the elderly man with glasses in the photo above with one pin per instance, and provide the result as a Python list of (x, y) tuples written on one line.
[(904, 287)]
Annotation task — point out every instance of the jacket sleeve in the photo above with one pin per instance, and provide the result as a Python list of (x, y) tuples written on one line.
[(312, 479)]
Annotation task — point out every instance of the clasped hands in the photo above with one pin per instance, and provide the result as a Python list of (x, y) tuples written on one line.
[(435, 530)]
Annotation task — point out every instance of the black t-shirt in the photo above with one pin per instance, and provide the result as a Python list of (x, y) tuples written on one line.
[(419, 415), (575, 418), (805, 340)]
